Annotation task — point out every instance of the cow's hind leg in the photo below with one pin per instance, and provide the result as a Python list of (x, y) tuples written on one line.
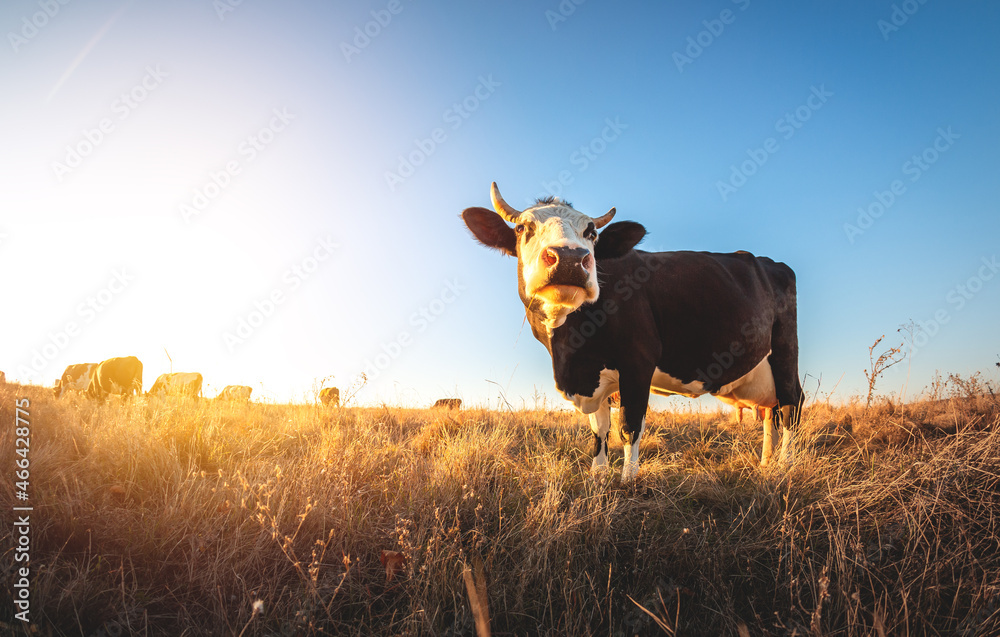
[(789, 419), (600, 423), (784, 362)]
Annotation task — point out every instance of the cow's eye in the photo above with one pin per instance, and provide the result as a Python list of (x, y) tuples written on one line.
[(519, 229), (590, 233)]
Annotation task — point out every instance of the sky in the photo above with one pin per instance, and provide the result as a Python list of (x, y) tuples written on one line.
[(268, 193)]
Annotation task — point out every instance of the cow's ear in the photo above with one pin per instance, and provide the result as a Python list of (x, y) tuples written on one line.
[(618, 239), (491, 230)]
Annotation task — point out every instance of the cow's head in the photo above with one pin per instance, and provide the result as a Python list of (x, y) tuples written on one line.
[(556, 248)]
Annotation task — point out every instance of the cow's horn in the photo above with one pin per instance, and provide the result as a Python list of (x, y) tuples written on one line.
[(602, 221), (502, 207)]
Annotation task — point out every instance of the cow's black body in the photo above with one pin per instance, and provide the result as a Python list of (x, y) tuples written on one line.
[(681, 312)]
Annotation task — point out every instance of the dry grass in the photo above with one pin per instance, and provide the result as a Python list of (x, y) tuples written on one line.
[(160, 518)]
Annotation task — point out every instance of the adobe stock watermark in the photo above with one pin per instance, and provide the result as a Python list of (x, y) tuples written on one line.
[(583, 157), (248, 149), (955, 301), (264, 307), (32, 25), (562, 12), (419, 321), (913, 168), (365, 33), (714, 28), (452, 118), (900, 15), (21, 531), (121, 108), (786, 126), (87, 311), (224, 7)]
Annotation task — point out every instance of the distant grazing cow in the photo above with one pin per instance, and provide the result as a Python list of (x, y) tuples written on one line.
[(177, 384), (448, 403), (3, 378), (239, 393), (329, 396), (116, 376), (687, 323), (74, 378)]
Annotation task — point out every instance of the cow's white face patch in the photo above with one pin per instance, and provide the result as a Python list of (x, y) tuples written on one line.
[(555, 246)]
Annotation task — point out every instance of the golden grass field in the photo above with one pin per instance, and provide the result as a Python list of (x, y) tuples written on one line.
[(175, 518)]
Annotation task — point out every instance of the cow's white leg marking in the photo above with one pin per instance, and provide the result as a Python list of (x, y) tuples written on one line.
[(631, 467), (787, 413), (600, 423), (768, 450)]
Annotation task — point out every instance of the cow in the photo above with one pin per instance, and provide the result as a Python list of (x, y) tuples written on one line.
[(448, 403), (614, 318), (121, 375), (329, 396), (240, 393), (3, 378), (74, 378), (177, 384)]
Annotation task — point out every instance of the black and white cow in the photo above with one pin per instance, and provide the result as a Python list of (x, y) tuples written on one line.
[(616, 319), (75, 378)]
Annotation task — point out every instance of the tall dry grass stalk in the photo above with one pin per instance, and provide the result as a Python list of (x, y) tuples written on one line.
[(171, 518)]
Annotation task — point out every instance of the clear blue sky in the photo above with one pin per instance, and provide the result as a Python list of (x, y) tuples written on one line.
[(191, 165)]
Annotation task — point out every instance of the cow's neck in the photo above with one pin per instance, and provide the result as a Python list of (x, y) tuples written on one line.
[(537, 320)]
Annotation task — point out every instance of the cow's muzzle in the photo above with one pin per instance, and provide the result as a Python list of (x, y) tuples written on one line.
[(568, 266)]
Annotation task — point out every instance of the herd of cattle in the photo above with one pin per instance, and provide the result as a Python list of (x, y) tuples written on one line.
[(123, 376)]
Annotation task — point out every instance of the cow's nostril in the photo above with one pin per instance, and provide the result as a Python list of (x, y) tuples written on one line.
[(550, 257), (587, 262)]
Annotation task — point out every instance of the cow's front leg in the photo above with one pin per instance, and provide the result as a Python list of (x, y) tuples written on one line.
[(600, 423), (635, 400)]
